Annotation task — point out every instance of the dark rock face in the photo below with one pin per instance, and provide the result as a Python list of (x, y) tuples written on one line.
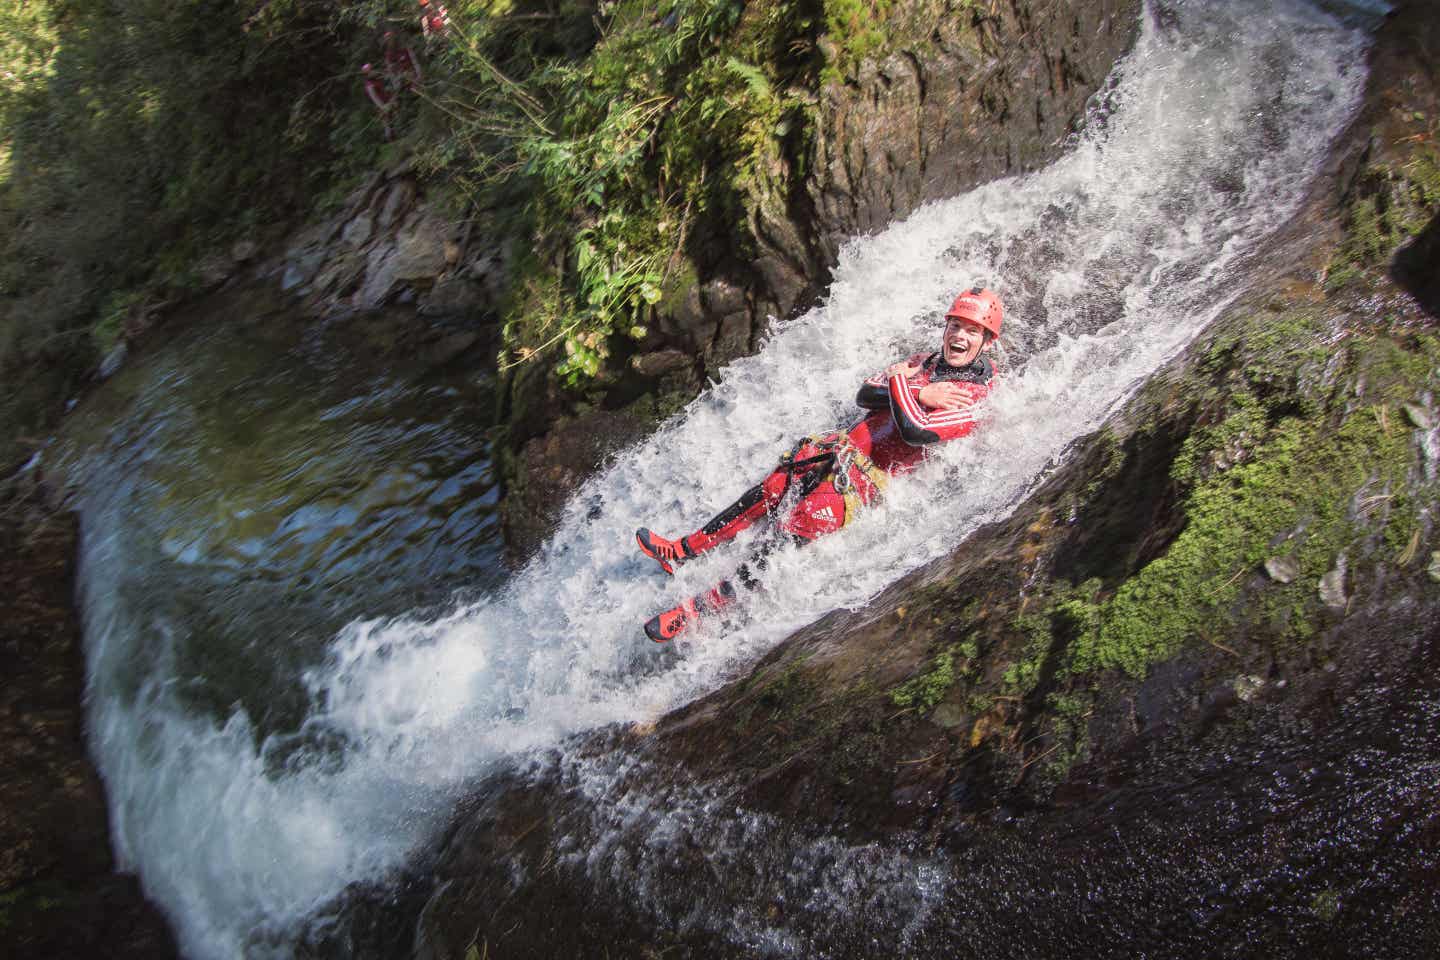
[(982, 95), (555, 464), (979, 104), (979, 98), (1417, 267), (59, 896)]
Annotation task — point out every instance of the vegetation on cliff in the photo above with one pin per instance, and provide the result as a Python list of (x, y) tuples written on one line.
[(646, 161), (138, 139), (628, 140)]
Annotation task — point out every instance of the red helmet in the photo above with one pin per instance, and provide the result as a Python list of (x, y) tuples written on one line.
[(980, 306)]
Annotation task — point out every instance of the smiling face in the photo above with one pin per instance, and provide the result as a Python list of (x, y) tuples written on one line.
[(963, 341)]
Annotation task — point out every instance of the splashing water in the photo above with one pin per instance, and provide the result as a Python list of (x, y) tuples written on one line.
[(1109, 261)]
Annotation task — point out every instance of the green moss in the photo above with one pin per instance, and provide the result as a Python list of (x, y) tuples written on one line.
[(780, 695), (1067, 612), (785, 691), (861, 30), (1390, 203), (858, 30), (1284, 351), (1036, 640), (1292, 494), (1110, 456), (929, 687), (1069, 731)]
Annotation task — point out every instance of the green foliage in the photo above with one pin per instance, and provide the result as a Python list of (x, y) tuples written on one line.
[(28, 45), (615, 152), (857, 29), (139, 137), (144, 135)]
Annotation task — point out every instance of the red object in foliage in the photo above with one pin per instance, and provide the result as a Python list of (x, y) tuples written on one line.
[(400, 62), (375, 88), (434, 19)]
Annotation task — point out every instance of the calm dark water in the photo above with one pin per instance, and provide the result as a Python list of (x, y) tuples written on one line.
[(257, 482)]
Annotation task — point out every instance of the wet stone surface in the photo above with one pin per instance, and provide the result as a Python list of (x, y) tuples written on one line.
[(59, 896)]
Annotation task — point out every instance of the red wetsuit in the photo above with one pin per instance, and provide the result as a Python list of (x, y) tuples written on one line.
[(893, 436)]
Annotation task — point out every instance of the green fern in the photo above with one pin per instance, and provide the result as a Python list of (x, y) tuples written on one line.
[(752, 75)]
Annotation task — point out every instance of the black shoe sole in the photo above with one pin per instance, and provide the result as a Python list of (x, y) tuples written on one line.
[(642, 537), (652, 630)]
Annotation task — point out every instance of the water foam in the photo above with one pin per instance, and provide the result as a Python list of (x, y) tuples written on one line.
[(1109, 261)]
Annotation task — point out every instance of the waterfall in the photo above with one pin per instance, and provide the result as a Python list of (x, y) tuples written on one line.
[(1110, 261)]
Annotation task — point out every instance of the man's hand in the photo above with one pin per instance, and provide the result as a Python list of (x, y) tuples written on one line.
[(902, 369), (944, 396)]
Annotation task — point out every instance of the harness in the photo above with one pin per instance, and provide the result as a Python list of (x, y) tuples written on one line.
[(837, 458)]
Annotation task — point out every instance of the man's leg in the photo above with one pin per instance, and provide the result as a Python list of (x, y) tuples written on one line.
[(668, 625), (821, 510), (754, 505)]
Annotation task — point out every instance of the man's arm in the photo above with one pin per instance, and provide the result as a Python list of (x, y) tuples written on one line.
[(919, 426), (873, 396), (875, 391)]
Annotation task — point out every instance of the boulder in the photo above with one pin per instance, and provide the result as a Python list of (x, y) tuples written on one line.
[(379, 278), (301, 267), (552, 465), (113, 361), (358, 230), (660, 362), (1332, 587), (979, 100), (340, 274), (398, 201), (448, 348), (1282, 569), (215, 269), (721, 296), (456, 297), (732, 339), (420, 249), (416, 254)]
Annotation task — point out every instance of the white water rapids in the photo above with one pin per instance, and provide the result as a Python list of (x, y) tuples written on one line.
[(1109, 261)]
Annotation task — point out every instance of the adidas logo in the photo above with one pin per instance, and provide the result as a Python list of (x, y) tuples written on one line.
[(824, 513)]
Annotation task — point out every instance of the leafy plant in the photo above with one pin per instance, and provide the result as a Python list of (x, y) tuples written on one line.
[(610, 156)]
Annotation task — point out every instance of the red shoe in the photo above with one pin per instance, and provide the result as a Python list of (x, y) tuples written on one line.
[(668, 553), (668, 625)]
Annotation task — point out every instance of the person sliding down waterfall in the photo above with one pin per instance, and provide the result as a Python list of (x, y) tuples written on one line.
[(923, 399)]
